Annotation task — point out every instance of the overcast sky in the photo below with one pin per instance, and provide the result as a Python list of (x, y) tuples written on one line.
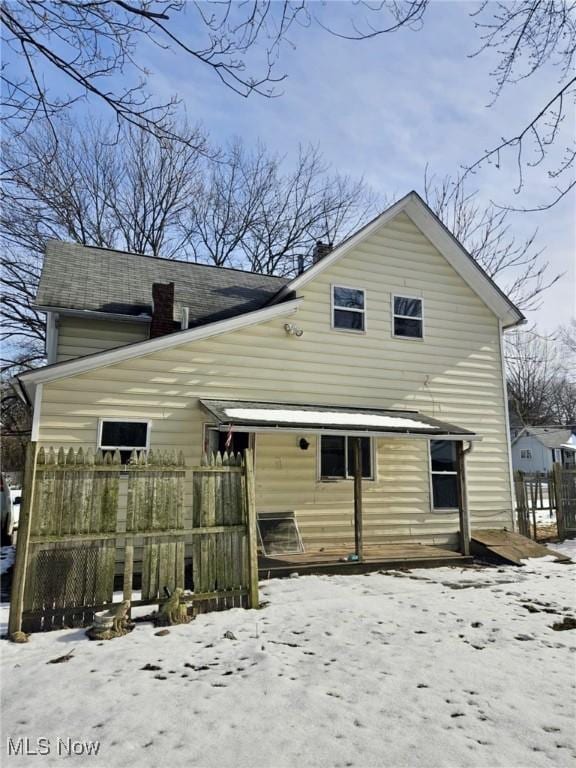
[(386, 108)]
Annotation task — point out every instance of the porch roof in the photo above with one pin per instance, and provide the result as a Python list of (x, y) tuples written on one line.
[(249, 416)]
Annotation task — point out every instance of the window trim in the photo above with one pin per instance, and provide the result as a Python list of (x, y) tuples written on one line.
[(336, 479), (363, 312), (101, 447), (394, 335), (431, 473), (529, 452)]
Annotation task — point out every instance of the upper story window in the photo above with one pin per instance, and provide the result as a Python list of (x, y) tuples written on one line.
[(408, 317), (348, 308), (124, 435), (337, 457), (526, 453)]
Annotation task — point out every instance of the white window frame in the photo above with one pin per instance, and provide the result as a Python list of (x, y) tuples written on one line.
[(395, 296), (431, 479), (337, 479), (526, 453), (334, 307), (101, 421)]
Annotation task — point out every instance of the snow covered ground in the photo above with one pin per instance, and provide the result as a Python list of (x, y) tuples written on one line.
[(430, 668)]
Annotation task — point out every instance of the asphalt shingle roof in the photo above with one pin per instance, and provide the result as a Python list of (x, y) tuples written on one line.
[(551, 437), (87, 278)]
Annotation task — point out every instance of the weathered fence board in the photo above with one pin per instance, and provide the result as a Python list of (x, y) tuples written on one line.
[(67, 558), (566, 500), (553, 493)]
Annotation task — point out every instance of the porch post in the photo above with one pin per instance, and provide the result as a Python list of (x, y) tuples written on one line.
[(464, 513), (357, 455)]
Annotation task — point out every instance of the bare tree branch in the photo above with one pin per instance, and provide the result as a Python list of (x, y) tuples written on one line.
[(518, 266)]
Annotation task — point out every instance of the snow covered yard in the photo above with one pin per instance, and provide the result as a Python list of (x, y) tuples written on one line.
[(433, 668)]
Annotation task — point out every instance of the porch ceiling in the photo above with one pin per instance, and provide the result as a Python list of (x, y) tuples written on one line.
[(249, 416)]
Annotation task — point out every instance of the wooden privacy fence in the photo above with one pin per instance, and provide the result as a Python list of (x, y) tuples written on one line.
[(78, 541), (540, 496)]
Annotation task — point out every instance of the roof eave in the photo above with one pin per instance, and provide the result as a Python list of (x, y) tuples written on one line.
[(441, 237), (93, 313), (110, 356)]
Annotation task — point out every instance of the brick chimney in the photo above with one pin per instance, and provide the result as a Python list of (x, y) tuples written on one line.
[(162, 310), (321, 249)]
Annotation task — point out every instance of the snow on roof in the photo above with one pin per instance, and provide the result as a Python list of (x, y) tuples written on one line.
[(326, 417)]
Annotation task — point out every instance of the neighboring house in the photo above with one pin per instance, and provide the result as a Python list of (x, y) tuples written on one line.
[(537, 449), (395, 336)]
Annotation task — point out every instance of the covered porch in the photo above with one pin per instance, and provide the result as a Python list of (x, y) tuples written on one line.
[(318, 431)]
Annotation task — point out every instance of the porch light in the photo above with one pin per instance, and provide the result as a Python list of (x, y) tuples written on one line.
[(293, 330)]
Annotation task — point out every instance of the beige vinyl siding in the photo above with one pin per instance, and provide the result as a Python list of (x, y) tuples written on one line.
[(79, 336), (453, 374)]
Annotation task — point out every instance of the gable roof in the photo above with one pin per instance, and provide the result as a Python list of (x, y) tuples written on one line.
[(550, 437), (86, 278), (236, 299), (444, 241)]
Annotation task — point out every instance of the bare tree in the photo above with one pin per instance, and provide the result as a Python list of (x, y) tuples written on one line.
[(541, 387), (517, 265), (92, 189), (163, 198), (89, 42), (526, 36), (261, 213), (567, 337)]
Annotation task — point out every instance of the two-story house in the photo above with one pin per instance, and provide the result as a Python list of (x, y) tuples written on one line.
[(393, 336)]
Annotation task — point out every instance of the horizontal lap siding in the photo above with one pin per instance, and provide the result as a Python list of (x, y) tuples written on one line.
[(78, 336), (454, 375)]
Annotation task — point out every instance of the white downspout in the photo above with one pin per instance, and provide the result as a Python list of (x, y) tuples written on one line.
[(34, 435)]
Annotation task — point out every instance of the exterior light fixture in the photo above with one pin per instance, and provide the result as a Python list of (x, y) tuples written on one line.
[(293, 330)]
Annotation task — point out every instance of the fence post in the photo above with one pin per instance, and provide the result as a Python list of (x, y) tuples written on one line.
[(23, 542), (521, 510), (559, 501), (253, 598)]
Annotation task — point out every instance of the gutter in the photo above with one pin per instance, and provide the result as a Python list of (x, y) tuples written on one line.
[(93, 313)]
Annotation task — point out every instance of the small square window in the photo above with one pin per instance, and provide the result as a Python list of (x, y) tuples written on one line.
[(337, 459), (526, 453), (124, 436), (407, 317), (348, 308)]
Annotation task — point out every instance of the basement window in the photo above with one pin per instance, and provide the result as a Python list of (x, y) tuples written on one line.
[(125, 436), (444, 474), (337, 458), (407, 318), (348, 309)]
